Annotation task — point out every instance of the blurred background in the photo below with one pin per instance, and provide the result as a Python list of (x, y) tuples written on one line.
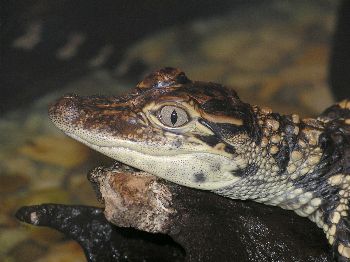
[(293, 56)]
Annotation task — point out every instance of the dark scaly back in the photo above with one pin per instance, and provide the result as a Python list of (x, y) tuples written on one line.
[(335, 142)]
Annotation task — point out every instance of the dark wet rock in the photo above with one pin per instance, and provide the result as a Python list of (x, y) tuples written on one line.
[(245, 231), (100, 240)]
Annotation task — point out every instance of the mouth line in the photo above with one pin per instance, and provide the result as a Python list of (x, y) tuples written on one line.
[(156, 153), (94, 146), (86, 142)]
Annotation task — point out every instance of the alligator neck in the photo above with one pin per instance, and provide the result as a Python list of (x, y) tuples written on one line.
[(279, 167)]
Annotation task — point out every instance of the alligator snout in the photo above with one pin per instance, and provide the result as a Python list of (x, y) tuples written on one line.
[(85, 115), (65, 111)]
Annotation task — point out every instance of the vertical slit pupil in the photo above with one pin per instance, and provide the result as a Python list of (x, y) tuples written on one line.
[(173, 117)]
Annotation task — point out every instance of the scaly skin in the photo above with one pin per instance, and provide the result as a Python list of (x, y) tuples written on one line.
[(202, 135)]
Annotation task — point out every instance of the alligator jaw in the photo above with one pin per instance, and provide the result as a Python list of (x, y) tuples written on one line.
[(201, 165)]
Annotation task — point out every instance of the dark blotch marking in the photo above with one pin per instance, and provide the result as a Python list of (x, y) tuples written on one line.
[(209, 140), (214, 105), (249, 170), (231, 106), (282, 158), (229, 149), (288, 144), (213, 140), (199, 178)]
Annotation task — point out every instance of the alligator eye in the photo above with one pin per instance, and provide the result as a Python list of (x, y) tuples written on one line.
[(173, 116)]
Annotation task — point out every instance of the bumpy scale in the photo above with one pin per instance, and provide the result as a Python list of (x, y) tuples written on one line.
[(202, 135)]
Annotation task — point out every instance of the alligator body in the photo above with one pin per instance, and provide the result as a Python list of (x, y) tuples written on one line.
[(201, 135)]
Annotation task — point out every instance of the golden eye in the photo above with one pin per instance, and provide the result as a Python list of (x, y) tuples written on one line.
[(173, 116)]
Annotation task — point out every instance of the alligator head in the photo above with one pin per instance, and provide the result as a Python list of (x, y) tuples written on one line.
[(189, 132)]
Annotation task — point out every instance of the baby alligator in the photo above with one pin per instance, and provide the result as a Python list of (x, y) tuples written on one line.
[(202, 135)]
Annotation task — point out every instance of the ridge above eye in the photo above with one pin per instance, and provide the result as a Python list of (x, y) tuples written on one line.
[(173, 116)]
